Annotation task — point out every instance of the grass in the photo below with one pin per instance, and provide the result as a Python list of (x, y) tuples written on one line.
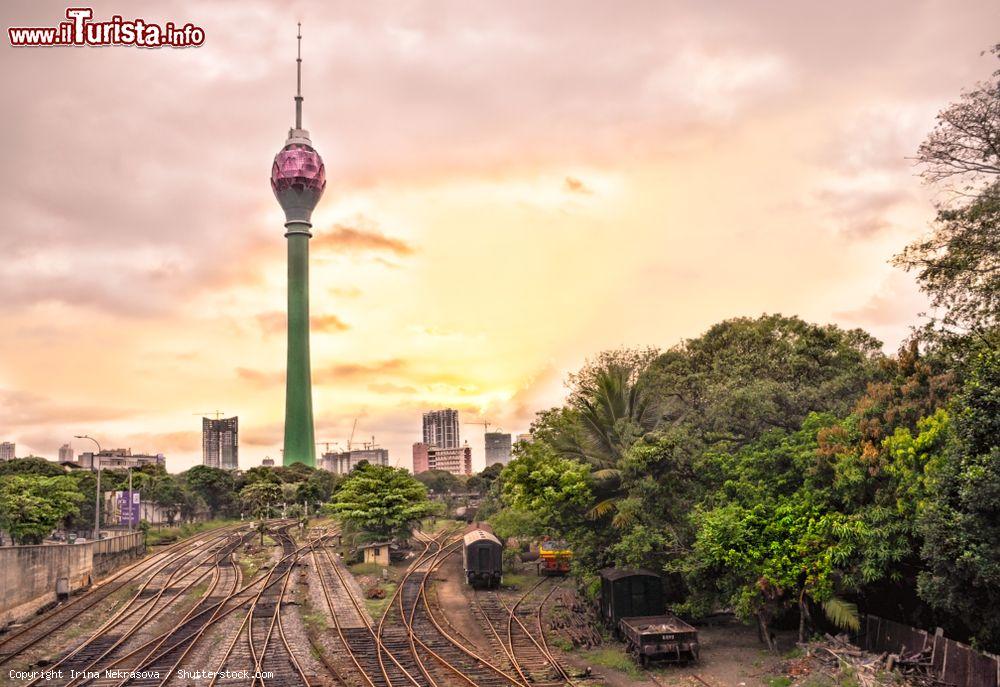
[(314, 620), (613, 658), (780, 681), (163, 535), (251, 563), (369, 569), (518, 580), (198, 590), (562, 643)]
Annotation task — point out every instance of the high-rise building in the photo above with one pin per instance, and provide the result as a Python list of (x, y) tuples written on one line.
[(441, 428), (298, 178), (66, 454), (497, 448), (7, 450), (420, 457), (268, 462), (526, 438), (342, 462), (220, 443)]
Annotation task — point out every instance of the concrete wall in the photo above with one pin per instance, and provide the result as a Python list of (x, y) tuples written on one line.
[(33, 576)]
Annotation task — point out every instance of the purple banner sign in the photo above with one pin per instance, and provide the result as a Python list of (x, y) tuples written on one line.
[(128, 507)]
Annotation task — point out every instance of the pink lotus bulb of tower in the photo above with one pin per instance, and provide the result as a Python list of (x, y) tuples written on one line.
[(298, 167)]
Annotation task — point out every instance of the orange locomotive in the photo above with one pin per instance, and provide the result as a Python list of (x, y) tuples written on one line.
[(554, 556)]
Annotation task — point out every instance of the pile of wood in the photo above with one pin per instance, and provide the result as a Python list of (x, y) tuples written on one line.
[(836, 657), (374, 592), (573, 620)]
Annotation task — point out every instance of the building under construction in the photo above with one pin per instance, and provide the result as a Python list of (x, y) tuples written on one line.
[(342, 462), (220, 443)]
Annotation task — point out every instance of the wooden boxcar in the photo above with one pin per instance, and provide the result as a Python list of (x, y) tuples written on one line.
[(632, 605), (482, 558), (630, 594)]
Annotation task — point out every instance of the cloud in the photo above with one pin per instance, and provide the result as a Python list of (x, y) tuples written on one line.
[(345, 291), (895, 304), (331, 375), (276, 322), (25, 409), (391, 389), (350, 372), (574, 185), (861, 212), (259, 377), (362, 238)]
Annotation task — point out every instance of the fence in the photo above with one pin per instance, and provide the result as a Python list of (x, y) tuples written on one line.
[(32, 577), (954, 663)]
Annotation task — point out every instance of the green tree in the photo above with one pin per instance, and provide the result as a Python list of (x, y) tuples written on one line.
[(959, 523), (439, 481), (745, 376), (958, 263), (556, 491), (380, 501), (31, 465), (32, 506), (260, 499), (216, 487)]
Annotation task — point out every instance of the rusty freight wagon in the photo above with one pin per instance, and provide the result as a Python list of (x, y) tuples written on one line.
[(633, 607)]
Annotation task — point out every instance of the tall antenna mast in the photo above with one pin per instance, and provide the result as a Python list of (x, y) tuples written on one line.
[(298, 83)]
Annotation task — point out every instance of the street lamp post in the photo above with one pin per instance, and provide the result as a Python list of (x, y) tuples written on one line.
[(97, 495)]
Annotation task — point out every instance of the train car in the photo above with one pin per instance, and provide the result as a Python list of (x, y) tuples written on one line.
[(632, 605), (659, 638), (554, 557), (482, 557)]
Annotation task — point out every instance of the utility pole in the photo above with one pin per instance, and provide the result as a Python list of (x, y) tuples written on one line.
[(97, 494)]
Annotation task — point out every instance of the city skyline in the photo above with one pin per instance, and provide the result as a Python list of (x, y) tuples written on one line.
[(483, 173)]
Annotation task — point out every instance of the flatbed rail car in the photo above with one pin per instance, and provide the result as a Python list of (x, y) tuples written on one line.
[(554, 557), (634, 608), (659, 638), (482, 558)]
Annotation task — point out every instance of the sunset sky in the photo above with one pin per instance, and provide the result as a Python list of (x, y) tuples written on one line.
[(512, 187)]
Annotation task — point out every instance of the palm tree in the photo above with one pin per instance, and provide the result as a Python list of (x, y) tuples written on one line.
[(613, 406)]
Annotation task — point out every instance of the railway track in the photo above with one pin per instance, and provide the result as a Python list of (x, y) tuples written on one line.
[(161, 590), (519, 629), (44, 626), (260, 653), (439, 652)]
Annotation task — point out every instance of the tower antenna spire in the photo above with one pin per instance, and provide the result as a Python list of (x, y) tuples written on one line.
[(298, 82)]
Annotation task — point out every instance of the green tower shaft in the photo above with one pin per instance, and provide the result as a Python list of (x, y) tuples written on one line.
[(300, 442)]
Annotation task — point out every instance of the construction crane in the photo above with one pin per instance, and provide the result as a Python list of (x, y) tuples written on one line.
[(484, 423), (351, 437), (216, 413), (327, 444)]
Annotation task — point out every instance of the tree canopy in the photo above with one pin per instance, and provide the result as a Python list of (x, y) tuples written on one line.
[(32, 505), (380, 502)]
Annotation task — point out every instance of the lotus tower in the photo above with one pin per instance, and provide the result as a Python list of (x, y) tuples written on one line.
[(298, 179)]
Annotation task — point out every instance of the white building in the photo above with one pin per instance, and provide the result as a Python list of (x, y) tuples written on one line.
[(7, 450)]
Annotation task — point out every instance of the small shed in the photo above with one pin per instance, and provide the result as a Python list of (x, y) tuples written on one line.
[(376, 552)]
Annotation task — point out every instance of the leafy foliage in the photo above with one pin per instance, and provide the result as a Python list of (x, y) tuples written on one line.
[(32, 505), (380, 501)]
